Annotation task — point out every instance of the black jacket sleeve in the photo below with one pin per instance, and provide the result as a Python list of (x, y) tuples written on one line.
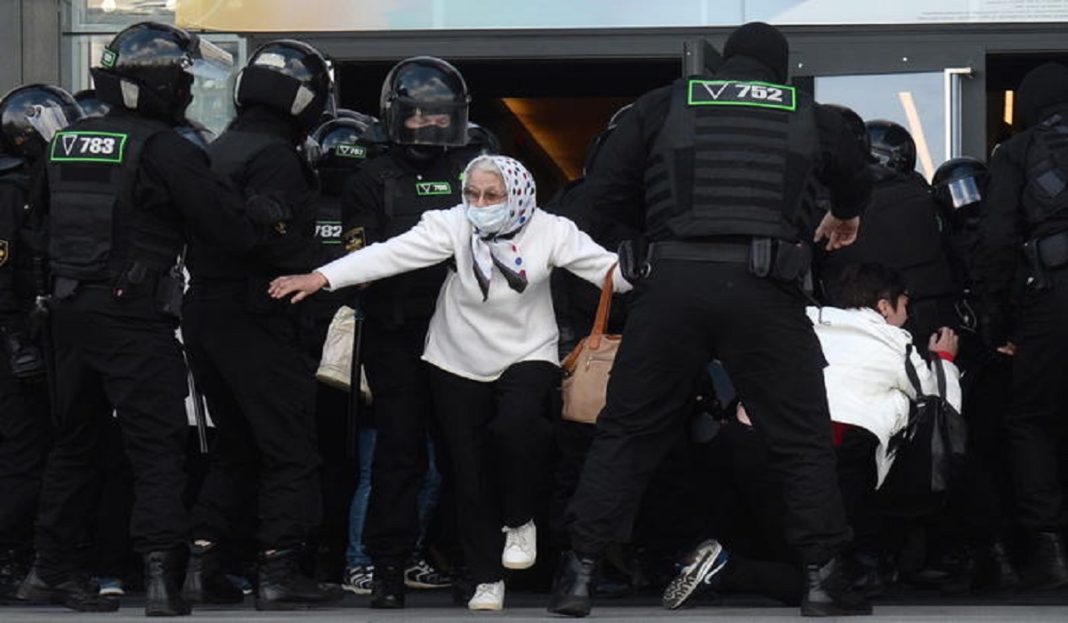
[(279, 172), (175, 171), (616, 181), (1001, 233), (844, 171)]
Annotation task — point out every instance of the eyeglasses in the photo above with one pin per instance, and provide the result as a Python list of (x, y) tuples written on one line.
[(490, 195)]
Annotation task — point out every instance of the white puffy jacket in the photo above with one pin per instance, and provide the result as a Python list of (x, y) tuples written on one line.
[(867, 384)]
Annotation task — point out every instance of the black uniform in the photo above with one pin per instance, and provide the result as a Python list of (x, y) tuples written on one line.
[(903, 229), (386, 198), (25, 426), (245, 349), (708, 181), (339, 470), (1026, 205), (124, 194)]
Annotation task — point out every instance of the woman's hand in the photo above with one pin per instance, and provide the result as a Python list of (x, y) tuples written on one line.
[(945, 341), (303, 285)]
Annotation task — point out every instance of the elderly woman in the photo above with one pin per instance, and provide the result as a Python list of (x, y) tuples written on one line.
[(492, 348)]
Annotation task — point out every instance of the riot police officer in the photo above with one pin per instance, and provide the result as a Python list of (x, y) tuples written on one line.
[(982, 515), (1025, 221), (29, 116), (423, 105), (903, 229), (123, 194), (717, 166), (245, 352), (339, 147)]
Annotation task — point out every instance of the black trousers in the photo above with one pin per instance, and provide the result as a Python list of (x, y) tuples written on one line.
[(25, 437), (260, 388), (1036, 419), (122, 355), (497, 437), (400, 389), (857, 477), (682, 315)]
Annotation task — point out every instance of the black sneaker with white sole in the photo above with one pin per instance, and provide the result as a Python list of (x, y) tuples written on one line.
[(420, 574), (706, 562)]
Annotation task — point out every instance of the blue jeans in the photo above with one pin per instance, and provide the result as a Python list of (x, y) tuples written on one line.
[(428, 498)]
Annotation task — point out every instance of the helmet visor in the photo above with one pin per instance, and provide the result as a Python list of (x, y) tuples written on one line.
[(418, 123), (209, 61), (47, 119), (963, 192)]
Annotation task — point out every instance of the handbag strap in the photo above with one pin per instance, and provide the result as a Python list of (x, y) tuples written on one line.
[(910, 370), (604, 307)]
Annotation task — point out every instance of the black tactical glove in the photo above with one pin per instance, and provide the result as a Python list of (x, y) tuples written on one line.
[(633, 264), (24, 357)]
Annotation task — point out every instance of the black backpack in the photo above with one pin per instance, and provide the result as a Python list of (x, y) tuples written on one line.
[(928, 454)]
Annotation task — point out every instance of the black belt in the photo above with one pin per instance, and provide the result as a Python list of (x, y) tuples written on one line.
[(726, 252)]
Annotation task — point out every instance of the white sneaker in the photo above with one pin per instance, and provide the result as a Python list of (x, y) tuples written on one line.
[(488, 596), (520, 546)]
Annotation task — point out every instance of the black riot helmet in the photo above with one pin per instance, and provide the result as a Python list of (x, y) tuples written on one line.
[(290, 77), (31, 115), (485, 140), (960, 183), (892, 145), (424, 102), (149, 67), (346, 142), (855, 125), (91, 105)]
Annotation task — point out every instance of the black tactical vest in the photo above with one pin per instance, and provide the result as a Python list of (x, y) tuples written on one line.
[(1046, 190), (96, 229), (719, 165), (406, 196), (328, 226)]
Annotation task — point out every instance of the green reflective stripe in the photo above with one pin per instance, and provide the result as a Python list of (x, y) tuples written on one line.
[(78, 146), (350, 151), (753, 94), (424, 189)]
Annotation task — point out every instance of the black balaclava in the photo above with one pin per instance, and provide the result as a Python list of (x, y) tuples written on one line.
[(1043, 88), (762, 43)]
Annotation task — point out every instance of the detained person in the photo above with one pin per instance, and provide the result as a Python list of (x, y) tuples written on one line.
[(492, 348)]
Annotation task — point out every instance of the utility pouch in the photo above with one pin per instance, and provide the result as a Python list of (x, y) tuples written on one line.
[(1039, 278), (760, 256), (792, 260), (169, 291), (633, 260)]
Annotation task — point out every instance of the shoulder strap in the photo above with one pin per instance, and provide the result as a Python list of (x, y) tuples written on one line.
[(910, 370)]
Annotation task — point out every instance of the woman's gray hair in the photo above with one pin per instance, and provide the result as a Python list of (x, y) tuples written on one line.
[(486, 165)]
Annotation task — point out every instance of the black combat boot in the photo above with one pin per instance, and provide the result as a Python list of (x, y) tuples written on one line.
[(573, 585), (205, 578), (1002, 575), (163, 583), (387, 589), (283, 586), (14, 565), (1047, 568), (74, 591), (828, 592)]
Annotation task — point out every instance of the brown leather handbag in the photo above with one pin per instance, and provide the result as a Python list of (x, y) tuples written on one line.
[(586, 368)]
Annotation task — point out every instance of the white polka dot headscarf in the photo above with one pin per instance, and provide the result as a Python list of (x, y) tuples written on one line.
[(500, 251)]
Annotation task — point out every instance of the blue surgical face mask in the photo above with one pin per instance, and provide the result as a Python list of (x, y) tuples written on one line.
[(488, 219)]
